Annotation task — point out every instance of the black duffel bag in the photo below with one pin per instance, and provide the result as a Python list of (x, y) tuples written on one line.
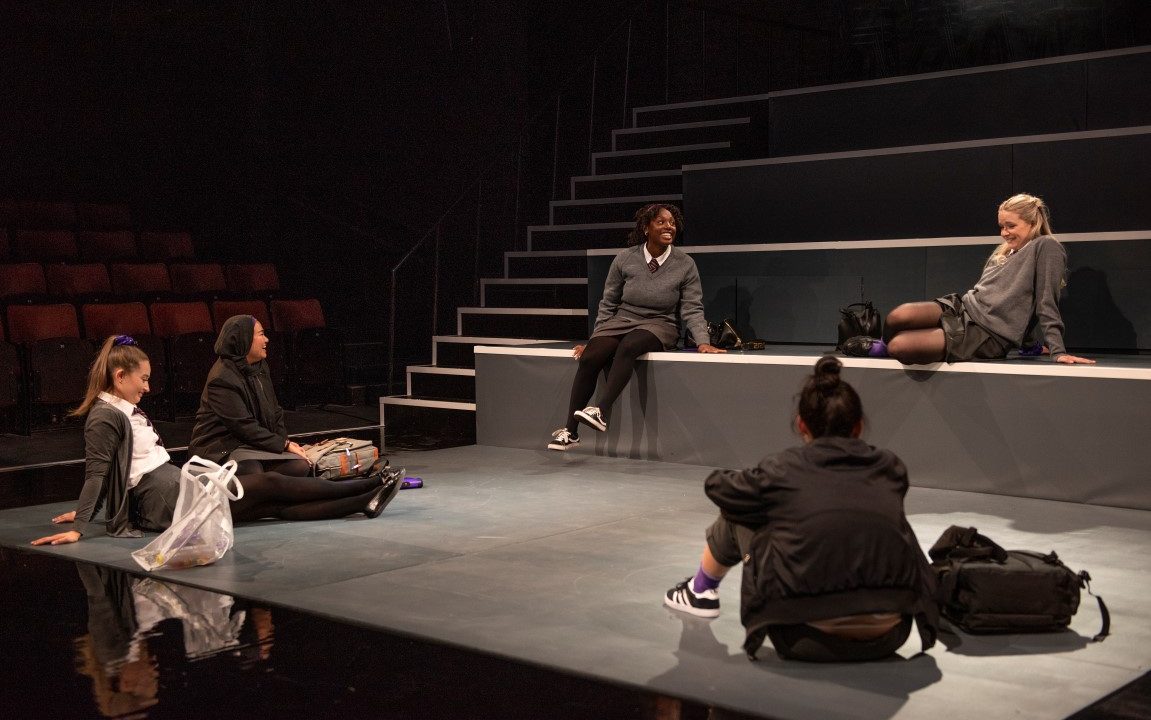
[(986, 589)]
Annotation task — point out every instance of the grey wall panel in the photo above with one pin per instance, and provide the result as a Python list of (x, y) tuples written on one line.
[(1006, 434), (794, 296), (1107, 304), (1119, 91), (1091, 185), (1003, 103), (936, 194)]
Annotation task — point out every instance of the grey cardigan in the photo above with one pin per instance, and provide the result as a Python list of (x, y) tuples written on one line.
[(1019, 299), (107, 466), (634, 297)]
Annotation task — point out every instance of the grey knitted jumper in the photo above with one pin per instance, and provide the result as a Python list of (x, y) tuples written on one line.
[(1019, 300), (634, 297)]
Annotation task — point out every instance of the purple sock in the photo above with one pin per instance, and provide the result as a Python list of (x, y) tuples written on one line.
[(878, 349), (703, 581)]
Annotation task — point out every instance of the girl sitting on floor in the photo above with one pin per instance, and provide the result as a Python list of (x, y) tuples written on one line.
[(832, 571), (126, 468)]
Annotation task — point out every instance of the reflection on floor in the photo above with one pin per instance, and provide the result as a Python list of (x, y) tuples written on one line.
[(104, 643)]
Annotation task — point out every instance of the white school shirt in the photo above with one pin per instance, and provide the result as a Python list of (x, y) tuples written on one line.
[(660, 259), (147, 452)]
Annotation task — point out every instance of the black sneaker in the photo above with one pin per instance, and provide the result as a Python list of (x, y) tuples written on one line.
[(858, 346), (592, 416), (563, 439), (683, 598)]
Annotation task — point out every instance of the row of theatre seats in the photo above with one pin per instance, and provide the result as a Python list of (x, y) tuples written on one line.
[(33, 281), (94, 245), (36, 214), (46, 350)]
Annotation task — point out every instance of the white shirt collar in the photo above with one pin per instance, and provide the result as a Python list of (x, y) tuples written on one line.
[(661, 259), (117, 402)]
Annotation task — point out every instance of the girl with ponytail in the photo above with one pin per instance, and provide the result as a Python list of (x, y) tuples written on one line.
[(127, 470), (1015, 304), (832, 571)]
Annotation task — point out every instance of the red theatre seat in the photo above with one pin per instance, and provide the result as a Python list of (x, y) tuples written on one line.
[(253, 279), (104, 216), (45, 245), (22, 279), (105, 245), (56, 358), (187, 328), (165, 246), (141, 281), (89, 280), (315, 351), (204, 280), (44, 215)]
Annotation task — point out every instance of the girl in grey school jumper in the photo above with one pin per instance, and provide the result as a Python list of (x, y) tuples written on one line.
[(650, 287), (1015, 304), (127, 472)]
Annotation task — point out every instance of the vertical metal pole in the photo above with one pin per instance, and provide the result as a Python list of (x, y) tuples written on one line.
[(392, 332), (591, 112), (703, 52), (555, 149), (476, 258), (626, 74), (666, 52), (519, 175), (436, 280)]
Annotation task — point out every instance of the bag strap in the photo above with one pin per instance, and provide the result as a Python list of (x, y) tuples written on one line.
[(1105, 630)]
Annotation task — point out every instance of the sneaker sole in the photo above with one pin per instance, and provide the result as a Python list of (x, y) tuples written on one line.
[(698, 612), (560, 446), (587, 420)]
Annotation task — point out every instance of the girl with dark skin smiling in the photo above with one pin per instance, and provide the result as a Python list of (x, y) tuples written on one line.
[(650, 288)]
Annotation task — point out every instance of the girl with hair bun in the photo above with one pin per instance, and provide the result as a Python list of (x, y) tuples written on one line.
[(832, 571), (1015, 304)]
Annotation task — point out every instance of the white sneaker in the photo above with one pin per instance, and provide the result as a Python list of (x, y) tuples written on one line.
[(592, 416), (683, 598), (562, 439)]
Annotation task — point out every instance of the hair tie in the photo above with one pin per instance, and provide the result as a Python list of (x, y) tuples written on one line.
[(124, 340)]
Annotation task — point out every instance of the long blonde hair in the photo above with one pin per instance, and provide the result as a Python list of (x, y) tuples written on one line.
[(119, 352), (1031, 210)]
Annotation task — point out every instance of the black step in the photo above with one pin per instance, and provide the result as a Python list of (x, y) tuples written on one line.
[(458, 352), (489, 323), (751, 106), (418, 427), (536, 292), (545, 265), (665, 158), (578, 237), (735, 130), (652, 182), (441, 383), (621, 209)]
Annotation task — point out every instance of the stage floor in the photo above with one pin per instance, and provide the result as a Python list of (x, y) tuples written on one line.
[(561, 560)]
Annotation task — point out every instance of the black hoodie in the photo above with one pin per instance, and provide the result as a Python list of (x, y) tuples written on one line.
[(238, 405), (831, 538)]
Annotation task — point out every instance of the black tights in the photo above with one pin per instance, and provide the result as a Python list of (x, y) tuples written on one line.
[(301, 498), (297, 467), (619, 353)]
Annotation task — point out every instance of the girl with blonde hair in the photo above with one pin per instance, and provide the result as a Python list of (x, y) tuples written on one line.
[(1015, 303)]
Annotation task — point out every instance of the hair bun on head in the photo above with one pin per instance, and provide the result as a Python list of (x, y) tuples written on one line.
[(827, 372)]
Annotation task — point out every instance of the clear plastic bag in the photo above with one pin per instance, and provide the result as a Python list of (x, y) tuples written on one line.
[(201, 530)]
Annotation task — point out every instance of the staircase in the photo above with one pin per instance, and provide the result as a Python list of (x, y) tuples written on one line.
[(543, 295)]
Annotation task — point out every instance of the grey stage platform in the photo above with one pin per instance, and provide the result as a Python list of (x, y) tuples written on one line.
[(1023, 427), (561, 560)]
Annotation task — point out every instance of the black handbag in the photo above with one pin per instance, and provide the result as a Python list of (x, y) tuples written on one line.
[(859, 318), (986, 589), (723, 335)]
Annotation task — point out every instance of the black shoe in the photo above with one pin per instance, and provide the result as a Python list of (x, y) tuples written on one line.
[(858, 346), (377, 467), (383, 496)]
